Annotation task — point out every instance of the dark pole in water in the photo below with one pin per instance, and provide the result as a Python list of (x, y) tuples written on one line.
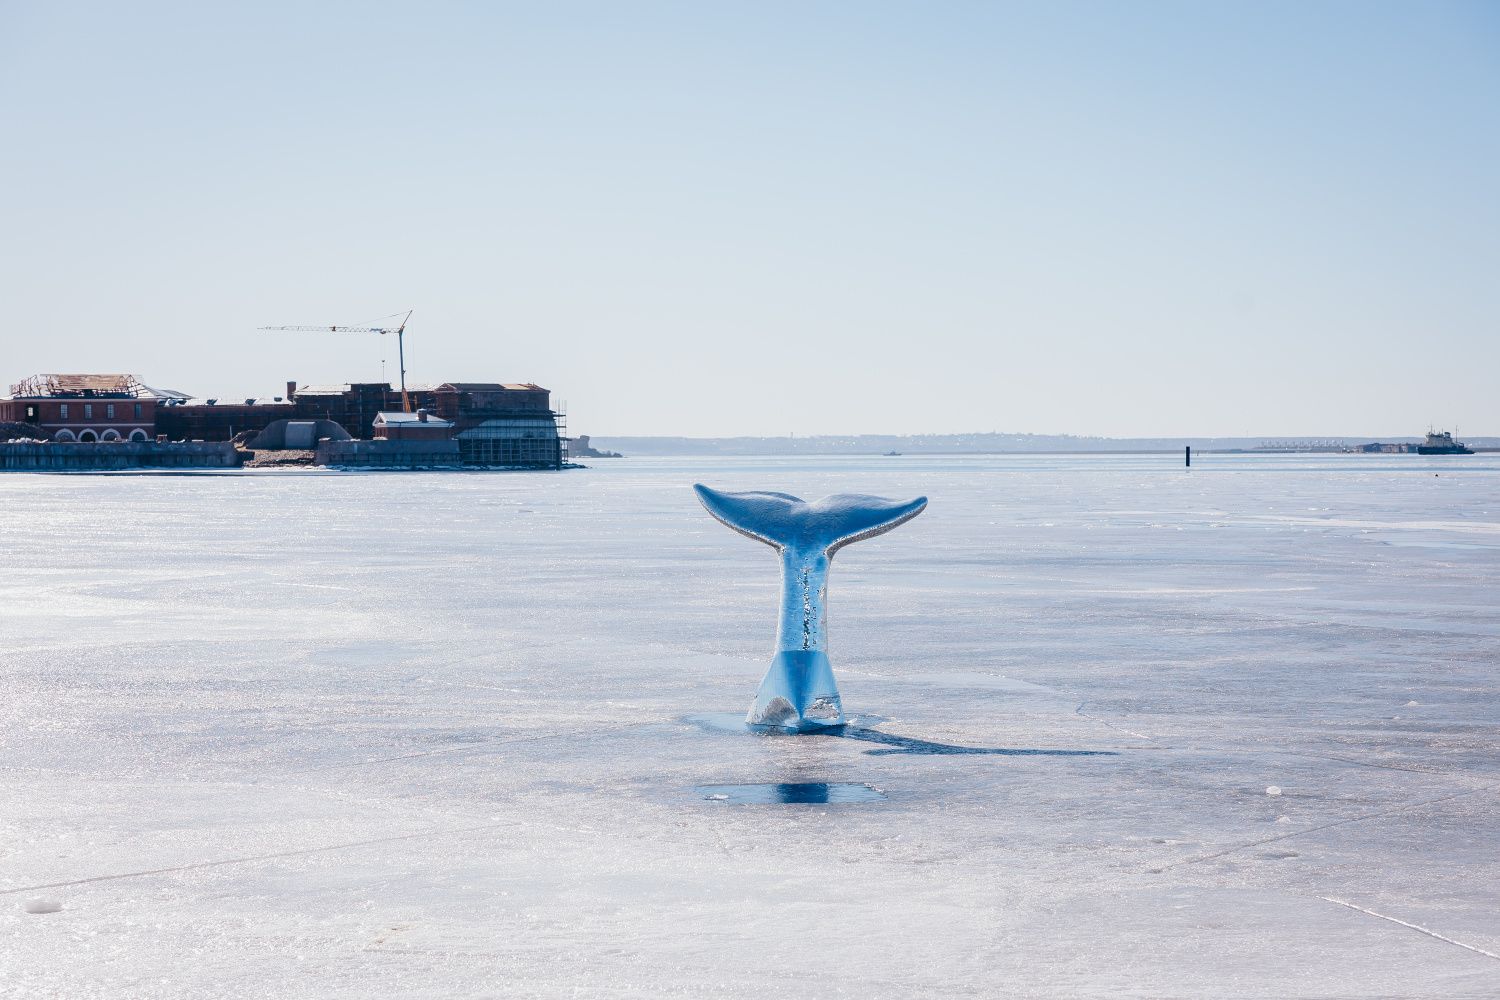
[(1189, 456)]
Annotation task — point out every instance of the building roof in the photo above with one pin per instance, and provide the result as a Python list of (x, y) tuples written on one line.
[(167, 393), (216, 401), (491, 386), (324, 390), (83, 386), (45, 386), (472, 386), (397, 417)]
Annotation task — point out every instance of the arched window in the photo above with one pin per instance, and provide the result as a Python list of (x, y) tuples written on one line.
[(88, 437), (138, 434), (64, 435), (110, 435)]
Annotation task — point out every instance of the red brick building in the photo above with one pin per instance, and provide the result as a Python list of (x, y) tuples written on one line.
[(495, 423), (499, 423), (84, 407)]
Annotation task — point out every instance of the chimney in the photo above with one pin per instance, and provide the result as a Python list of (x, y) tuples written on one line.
[(291, 391), (422, 416)]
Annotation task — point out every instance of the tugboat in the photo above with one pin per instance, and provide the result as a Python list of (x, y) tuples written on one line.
[(1442, 443)]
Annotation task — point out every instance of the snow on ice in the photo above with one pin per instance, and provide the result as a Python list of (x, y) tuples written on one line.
[(271, 736)]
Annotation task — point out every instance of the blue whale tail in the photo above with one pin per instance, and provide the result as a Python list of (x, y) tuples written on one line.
[(799, 691)]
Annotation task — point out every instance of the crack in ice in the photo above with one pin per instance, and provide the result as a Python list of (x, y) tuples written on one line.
[(248, 859), (1416, 927)]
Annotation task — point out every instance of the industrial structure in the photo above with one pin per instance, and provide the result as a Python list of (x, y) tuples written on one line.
[(510, 425), (499, 423)]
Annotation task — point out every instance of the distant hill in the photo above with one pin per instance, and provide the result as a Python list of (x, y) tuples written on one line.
[(958, 444)]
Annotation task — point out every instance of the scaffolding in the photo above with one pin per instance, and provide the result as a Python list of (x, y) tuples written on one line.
[(534, 441)]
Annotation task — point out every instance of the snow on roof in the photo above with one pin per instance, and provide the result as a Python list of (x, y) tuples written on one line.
[(166, 393), (324, 390), (397, 417)]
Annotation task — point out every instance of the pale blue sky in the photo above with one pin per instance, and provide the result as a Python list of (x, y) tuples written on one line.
[(760, 218)]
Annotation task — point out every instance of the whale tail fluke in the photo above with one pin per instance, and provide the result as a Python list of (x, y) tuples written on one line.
[(783, 521)]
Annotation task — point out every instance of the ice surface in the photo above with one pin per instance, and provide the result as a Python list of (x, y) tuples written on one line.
[(271, 736)]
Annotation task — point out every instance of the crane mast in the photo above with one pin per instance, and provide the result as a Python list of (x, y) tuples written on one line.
[(399, 331)]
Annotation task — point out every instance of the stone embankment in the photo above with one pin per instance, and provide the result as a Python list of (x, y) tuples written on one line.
[(53, 456), (389, 454)]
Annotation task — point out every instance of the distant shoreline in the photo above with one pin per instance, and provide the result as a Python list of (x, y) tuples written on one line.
[(881, 445), (1044, 454)]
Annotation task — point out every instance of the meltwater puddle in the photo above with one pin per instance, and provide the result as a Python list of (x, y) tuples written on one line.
[(793, 793), (890, 744)]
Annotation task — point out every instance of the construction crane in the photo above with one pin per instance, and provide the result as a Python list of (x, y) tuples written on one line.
[(382, 330)]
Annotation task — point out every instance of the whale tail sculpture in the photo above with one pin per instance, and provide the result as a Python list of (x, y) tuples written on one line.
[(799, 691)]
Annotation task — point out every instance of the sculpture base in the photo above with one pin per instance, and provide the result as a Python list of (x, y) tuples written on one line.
[(798, 693)]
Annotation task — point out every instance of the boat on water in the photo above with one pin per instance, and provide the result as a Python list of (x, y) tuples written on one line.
[(1442, 443)]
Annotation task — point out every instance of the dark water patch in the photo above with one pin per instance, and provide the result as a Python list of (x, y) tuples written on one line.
[(793, 793)]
